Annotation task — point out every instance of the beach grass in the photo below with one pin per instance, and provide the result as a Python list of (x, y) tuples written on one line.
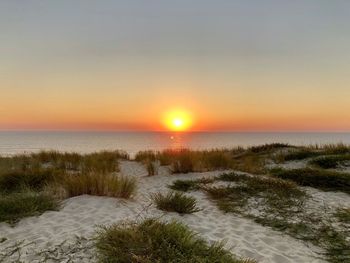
[(34, 179), (155, 241), (317, 178), (175, 202), (189, 185), (330, 161), (281, 206), (16, 206), (99, 184), (102, 162)]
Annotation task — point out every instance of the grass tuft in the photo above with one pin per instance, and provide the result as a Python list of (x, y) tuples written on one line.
[(35, 179), (175, 202), (99, 185), (153, 241), (15, 206)]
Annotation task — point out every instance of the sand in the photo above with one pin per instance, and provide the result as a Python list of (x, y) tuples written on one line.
[(80, 217)]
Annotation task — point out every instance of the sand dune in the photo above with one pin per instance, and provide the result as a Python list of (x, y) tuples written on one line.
[(80, 216)]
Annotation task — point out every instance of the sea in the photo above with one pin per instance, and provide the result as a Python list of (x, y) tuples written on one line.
[(18, 142)]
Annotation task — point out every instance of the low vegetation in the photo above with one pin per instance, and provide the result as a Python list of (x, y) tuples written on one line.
[(186, 161), (343, 215), (189, 185), (102, 162), (280, 204), (99, 185), (18, 205), (331, 161), (322, 179), (305, 152), (154, 241), (175, 202), (32, 184), (34, 179)]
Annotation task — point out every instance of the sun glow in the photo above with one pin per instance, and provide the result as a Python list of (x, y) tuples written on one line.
[(178, 120)]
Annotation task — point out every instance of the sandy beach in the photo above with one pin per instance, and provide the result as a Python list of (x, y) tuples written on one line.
[(80, 216)]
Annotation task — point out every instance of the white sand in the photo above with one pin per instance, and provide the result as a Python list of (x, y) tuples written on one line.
[(80, 216)]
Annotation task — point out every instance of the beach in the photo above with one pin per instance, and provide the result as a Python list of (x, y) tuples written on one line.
[(57, 233)]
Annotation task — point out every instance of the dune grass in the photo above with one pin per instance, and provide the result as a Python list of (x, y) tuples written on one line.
[(99, 184), (153, 241), (102, 162), (317, 178), (18, 205), (186, 161), (189, 185), (277, 195), (281, 206), (330, 161), (34, 179), (175, 202), (305, 152)]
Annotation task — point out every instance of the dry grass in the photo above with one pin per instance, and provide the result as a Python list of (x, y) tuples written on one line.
[(186, 161), (99, 185)]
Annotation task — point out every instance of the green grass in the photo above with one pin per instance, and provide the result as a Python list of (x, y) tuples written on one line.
[(34, 179), (281, 206), (331, 161), (322, 179), (175, 202), (153, 241), (304, 152), (189, 185), (277, 195), (334, 242), (299, 154), (15, 206), (99, 185)]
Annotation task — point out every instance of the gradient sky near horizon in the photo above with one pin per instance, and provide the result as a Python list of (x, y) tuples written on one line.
[(273, 65)]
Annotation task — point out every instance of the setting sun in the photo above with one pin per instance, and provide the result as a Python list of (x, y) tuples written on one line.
[(178, 120)]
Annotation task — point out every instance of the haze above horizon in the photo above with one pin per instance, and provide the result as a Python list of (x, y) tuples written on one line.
[(186, 65)]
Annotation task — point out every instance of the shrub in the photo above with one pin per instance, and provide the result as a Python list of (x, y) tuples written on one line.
[(99, 184), (154, 241), (175, 202), (322, 179), (15, 206)]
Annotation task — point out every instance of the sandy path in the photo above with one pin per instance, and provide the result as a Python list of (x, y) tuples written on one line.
[(80, 216)]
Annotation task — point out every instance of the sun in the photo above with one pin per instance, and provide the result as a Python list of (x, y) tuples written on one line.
[(178, 120)]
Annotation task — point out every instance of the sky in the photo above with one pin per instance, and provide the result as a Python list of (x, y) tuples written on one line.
[(230, 65)]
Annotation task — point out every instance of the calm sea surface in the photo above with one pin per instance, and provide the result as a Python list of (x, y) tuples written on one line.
[(84, 142)]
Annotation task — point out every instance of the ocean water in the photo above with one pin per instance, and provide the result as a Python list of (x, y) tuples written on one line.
[(132, 142)]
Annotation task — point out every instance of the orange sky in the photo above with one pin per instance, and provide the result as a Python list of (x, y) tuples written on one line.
[(119, 66)]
